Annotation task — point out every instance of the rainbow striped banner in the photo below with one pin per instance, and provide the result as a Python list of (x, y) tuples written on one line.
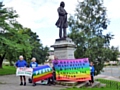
[(42, 73), (72, 70)]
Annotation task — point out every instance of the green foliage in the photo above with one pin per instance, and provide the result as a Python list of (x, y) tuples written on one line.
[(38, 51), (13, 42), (103, 88), (114, 53), (16, 40), (7, 70), (86, 30)]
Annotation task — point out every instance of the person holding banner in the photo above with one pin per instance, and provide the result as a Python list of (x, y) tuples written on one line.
[(33, 65), (55, 62), (21, 63), (92, 69), (53, 78)]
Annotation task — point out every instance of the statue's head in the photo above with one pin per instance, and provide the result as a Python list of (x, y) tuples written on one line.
[(62, 4)]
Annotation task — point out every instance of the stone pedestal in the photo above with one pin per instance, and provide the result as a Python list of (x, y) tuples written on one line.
[(64, 48)]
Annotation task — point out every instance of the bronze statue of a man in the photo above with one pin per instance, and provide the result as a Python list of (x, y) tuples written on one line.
[(62, 20)]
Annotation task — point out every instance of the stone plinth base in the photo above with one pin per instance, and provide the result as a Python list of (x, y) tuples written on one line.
[(64, 48), (67, 83)]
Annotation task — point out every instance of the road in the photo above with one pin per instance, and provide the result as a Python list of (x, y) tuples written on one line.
[(111, 71)]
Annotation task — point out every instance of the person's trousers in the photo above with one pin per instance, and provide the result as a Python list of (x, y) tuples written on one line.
[(52, 79)]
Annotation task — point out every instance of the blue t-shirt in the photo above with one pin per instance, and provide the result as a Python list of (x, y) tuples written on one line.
[(92, 69), (21, 63), (33, 64)]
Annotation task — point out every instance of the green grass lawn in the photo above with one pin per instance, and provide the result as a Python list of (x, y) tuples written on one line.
[(105, 88), (110, 85), (115, 85), (7, 70)]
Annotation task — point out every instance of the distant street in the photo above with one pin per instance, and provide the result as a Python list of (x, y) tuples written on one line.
[(111, 71)]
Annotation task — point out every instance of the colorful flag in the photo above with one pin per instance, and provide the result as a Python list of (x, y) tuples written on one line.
[(72, 70), (41, 73)]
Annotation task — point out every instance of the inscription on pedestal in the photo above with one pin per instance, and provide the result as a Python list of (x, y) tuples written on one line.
[(64, 48), (64, 54), (71, 56), (61, 54)]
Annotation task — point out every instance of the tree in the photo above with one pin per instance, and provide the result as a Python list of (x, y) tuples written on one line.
[(87, 26), (21, 45), (12, 40), (114, 52), (38, 51), (17, 40), (4, 26)]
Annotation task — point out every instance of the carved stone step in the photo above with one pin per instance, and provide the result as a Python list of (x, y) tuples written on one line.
[(102, 85), (67, 83), (81, 84), (95, 84)]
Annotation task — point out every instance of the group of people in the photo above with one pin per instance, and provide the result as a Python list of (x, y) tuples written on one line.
[(22, 63)]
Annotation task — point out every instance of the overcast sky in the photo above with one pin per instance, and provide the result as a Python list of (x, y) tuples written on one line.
[(41, 15)]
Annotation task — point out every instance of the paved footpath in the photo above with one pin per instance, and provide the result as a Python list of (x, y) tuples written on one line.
[(11, 82)]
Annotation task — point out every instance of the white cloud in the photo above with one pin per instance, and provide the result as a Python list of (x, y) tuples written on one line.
[(115, 42), (113, 7), (41, 15), (44, 11)]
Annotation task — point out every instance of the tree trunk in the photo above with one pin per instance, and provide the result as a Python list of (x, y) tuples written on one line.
[(1, 62), (1, 59), (11, 64)]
